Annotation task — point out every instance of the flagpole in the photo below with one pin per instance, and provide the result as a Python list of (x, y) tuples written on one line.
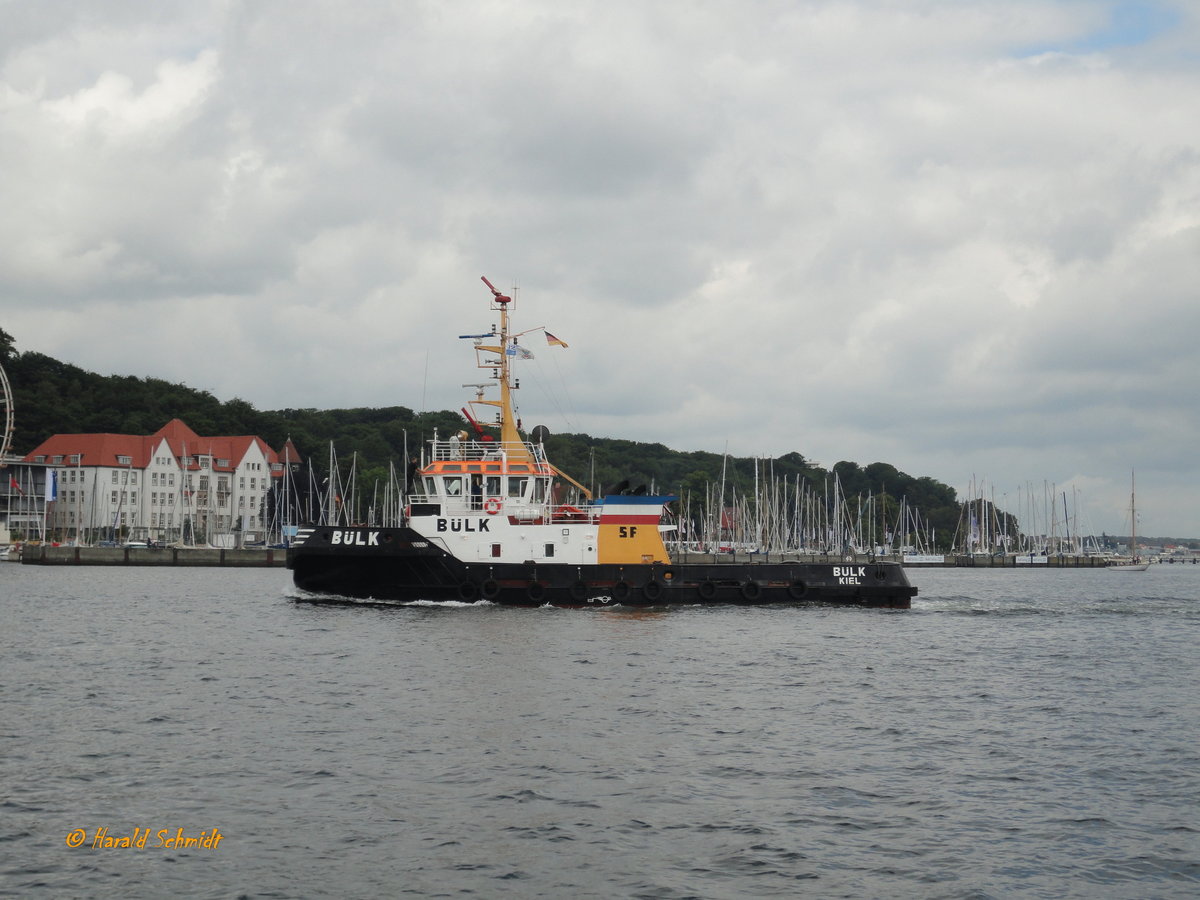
[(51, 496)]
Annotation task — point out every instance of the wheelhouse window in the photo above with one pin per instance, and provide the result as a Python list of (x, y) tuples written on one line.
[(516, 486)]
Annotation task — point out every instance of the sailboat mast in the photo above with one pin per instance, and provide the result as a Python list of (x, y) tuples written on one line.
[(1133, 515)]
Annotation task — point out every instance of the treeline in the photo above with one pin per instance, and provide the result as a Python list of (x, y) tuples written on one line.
[(52, 397)]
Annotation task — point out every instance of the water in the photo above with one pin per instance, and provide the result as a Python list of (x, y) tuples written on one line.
[(1028, 733)]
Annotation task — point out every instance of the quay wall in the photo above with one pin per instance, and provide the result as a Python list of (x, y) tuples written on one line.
[(47, 555), (950, 561)]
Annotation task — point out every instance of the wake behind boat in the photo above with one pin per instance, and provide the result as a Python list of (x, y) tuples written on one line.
[(491, 518)]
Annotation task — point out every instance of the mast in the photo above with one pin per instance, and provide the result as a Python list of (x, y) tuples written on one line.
[(1132, 515), (510, 436)]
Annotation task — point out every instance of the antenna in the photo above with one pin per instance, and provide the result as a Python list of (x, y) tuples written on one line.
[(479, 388)]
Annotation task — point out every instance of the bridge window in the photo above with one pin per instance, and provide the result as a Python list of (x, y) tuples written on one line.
[(453, 486), (516, 486)]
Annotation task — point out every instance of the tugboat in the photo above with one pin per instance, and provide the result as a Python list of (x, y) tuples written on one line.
[(490, 518)]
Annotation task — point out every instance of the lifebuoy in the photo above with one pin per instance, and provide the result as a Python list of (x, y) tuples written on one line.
[(751, 590), (797, 590), (489, 589), (492, 505), (707, 590), (467, 590), (652, 589), (535, 591), (620, 590)]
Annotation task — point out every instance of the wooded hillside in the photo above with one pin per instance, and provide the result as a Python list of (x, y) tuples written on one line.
[(52, 397)]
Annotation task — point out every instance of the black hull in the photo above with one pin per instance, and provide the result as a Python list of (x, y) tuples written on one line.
[(397, 564)]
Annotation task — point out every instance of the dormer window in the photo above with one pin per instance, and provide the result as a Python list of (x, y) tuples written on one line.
[(124, 460)]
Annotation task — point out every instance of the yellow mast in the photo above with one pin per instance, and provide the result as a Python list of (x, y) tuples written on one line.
[(510, 437)]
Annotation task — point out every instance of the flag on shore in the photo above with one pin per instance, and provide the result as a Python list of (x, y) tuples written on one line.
[(553, 341), (12, 483), (51, 485)]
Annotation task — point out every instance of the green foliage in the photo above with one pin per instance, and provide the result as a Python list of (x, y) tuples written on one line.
[(53, 397)]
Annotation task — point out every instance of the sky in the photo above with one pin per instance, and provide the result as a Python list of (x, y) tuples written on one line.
[(962, 238)]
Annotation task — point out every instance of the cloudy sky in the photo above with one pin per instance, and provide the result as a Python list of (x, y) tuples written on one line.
[(959, 237)]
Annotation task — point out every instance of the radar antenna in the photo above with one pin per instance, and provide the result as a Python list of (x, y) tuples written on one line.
[(480, 388)]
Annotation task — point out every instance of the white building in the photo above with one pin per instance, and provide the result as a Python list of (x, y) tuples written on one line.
[(173, 485)]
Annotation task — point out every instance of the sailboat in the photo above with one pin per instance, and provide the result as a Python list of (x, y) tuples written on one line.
[(1134, 565)]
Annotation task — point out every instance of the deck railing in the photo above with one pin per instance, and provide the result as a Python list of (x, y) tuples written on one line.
[(455, 449)]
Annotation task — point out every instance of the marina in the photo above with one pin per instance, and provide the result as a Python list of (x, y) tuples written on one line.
[(42, 554)]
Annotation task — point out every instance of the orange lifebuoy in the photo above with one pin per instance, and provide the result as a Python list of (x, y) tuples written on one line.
[(492, 505)]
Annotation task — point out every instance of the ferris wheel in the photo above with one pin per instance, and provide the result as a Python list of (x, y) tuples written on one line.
[(6, 436)]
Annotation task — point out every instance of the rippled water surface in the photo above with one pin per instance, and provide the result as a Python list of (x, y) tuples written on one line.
[(1017, 733)]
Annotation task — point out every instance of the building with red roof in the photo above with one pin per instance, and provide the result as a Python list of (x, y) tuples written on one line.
[(168, 486)]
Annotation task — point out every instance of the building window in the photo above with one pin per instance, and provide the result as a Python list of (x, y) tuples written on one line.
[(114, 476)]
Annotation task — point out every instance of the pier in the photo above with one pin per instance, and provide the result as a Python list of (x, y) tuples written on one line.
[(50, 555), (929, 561)]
